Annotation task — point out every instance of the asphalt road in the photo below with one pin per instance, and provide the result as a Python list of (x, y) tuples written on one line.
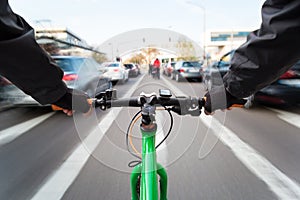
[(242, 154)]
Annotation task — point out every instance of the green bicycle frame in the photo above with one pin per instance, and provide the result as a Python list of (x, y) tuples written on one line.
[(149, 170)]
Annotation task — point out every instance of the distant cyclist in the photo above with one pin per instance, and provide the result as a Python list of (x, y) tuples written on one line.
[(30, 68), (156, 68), (267, 54)]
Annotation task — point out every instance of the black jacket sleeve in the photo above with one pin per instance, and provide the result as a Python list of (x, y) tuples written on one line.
[(24, 62), (269, 51)]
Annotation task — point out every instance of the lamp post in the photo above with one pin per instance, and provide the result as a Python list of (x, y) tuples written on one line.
[(198, 5), (112, 51)]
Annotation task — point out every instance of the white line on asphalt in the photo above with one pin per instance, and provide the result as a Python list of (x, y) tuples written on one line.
[(280, 184), (291, 118), (58, 183), (11, 133)]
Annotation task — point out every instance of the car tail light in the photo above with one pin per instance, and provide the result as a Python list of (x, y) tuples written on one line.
[(288, 74), (116, 70), (271, 100), (181, 70), (70, 77)]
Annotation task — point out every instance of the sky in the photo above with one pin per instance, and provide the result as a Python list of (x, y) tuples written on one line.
[(96, 21)]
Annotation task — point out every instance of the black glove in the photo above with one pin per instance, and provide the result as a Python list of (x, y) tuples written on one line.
[(74, 100), (219, 98)]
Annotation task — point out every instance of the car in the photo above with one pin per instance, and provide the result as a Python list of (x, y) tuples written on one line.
[(139, 68), (213, 73), (134, 70), (117, 72), (285, 91), (83, 73), (11, 95), (79, 73), (184, 70), (168, 68)]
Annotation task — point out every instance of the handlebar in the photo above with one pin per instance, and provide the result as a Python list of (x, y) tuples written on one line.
[(179, 105)]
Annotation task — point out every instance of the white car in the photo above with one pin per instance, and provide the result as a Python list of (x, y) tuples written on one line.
[(117, 72)]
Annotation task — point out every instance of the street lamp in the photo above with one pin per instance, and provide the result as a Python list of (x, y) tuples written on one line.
[(112, 51), (204, 23)]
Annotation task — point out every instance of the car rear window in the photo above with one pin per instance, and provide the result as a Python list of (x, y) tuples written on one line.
[(191, 64), (69, 65), (113, 65), (128, 66)]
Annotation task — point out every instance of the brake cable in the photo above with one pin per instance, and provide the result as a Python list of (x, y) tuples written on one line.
[(129, 137)]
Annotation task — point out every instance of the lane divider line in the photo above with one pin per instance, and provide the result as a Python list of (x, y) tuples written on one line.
[(281, 185), (291, 118), (11, 133), (60, 180)]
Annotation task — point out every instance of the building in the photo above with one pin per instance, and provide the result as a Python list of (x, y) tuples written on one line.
[(222, 41), (62, 41)]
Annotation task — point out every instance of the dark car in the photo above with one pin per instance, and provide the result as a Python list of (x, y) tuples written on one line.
[(283, 91), (79, 73), (184, 70), (213, 73), (134, 70)]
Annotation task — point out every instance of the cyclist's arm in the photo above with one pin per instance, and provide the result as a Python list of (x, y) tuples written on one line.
[(268, 52), (29, 67)]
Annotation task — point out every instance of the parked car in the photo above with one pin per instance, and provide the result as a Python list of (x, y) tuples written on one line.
[(134, 70), (184, 70), (168, 68), (117, 72), (79, 73), (139, 68), (283, 91)]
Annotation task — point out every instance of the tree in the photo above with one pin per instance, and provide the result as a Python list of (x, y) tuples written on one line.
[(150, 54), (186, 50), (100, 58), (137, 58)]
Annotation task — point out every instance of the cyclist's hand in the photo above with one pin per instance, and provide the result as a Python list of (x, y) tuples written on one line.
[(219, 98), (74, 100)]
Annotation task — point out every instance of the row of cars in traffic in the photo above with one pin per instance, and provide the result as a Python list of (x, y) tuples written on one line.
[(183, 70), (285, 91), (81, 73)]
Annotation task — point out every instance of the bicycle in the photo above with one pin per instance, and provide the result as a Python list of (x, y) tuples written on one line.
[(144, 176), (155, 73)]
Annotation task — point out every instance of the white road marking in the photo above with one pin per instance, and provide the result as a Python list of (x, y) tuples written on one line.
[(11, 133), (58, 183), (280, 184), (291, 118)]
